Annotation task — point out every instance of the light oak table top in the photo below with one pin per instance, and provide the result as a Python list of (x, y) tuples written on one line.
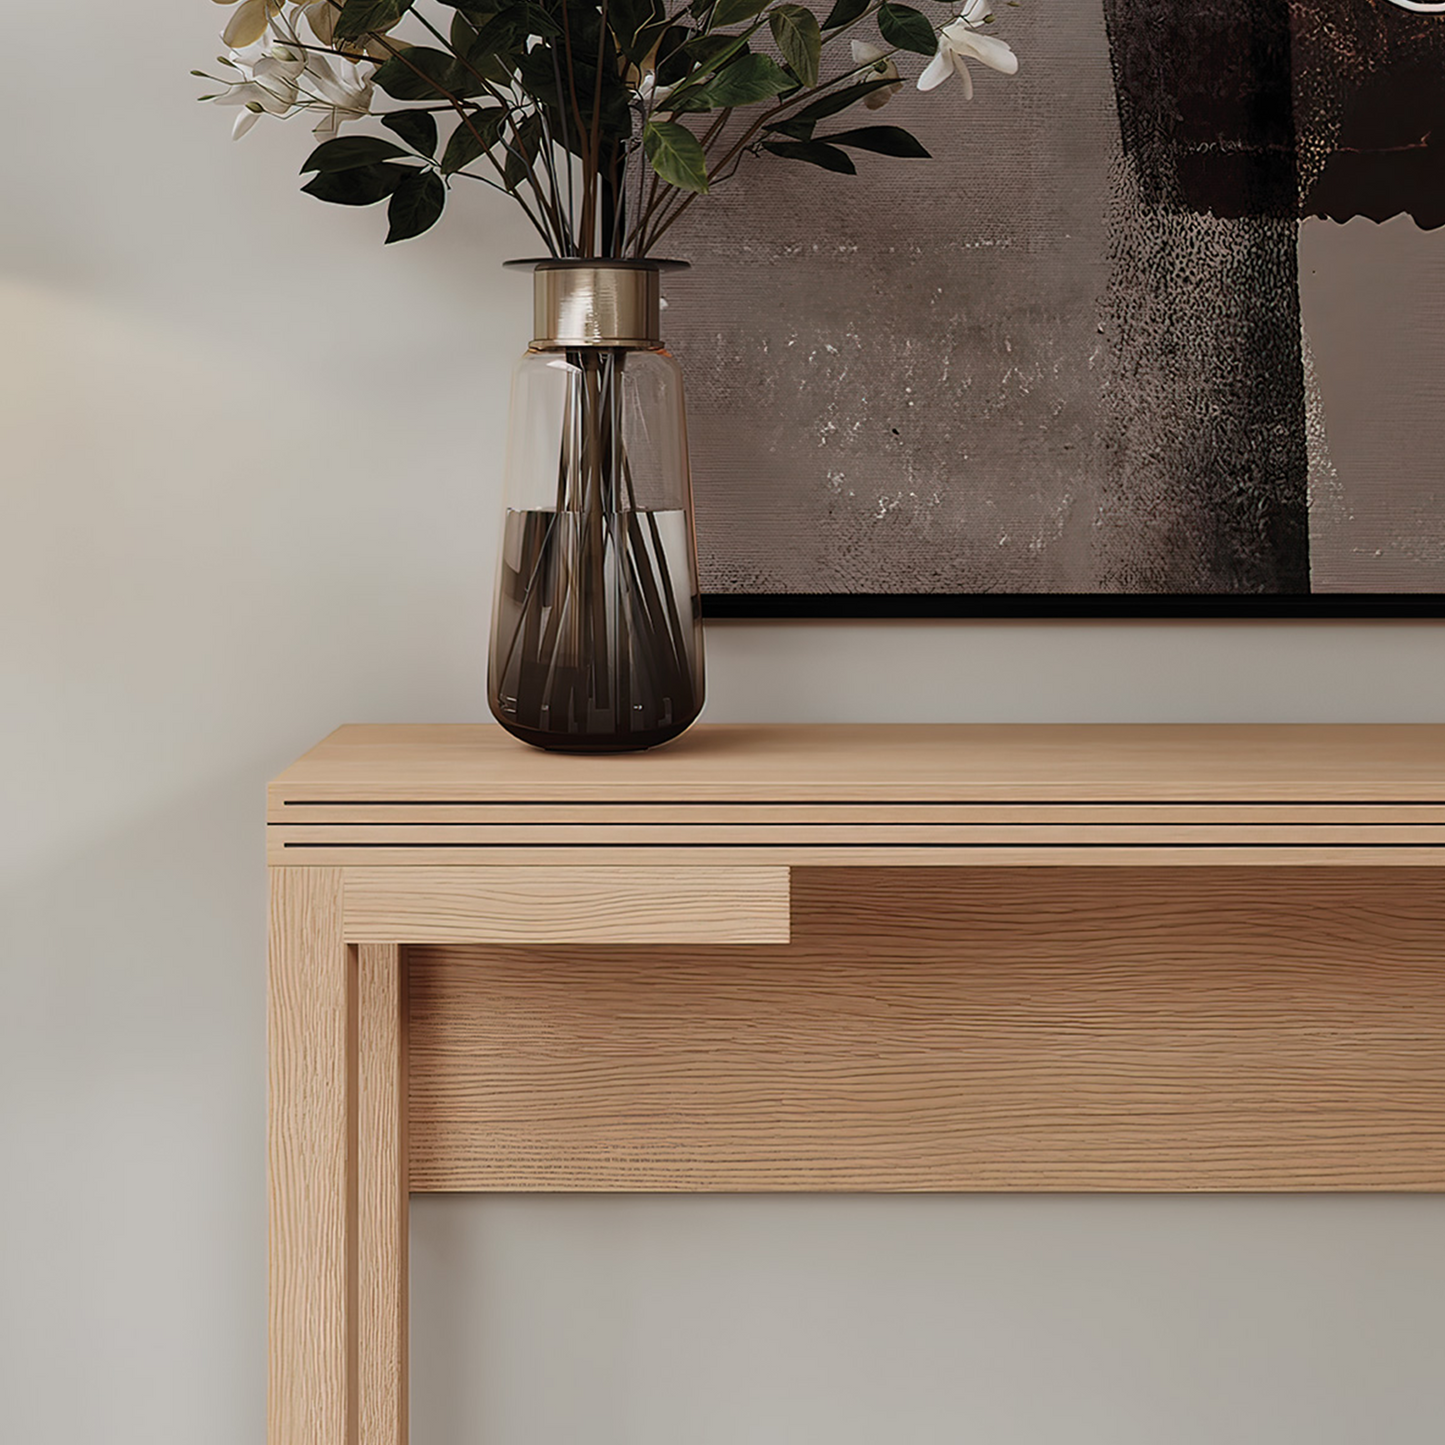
[(389, 796), (887, 763)]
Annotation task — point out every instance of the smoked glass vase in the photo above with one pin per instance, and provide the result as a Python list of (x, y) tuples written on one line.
[(596, 635)]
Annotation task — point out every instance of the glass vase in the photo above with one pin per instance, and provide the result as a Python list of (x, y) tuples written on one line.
[(596, 633)]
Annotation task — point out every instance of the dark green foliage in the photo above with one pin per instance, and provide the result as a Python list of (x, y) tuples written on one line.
[(798, 37), (416, 205), (749, 78), (473, 137), (359, 186), (793, 129), (830, 158), (517, 81), (362, 17), (418, 128), (886, 140), (347, 152), (421, 73), (844, 12), (521, 148), (636, 25), (837, 100), (709, 51), (676, 155), (907, 28)]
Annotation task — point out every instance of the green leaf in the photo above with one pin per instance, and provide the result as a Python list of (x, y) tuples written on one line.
[(794, 129), (887, 140), (845, 12), (363, 186), (421, 73), (676, 154), (709, 51), (493, 63), (362, 17), (731, 12), (349, 151), (636, 26), (461, 33), (536, 20), (690, 63), (399, 77), (418, 128), (489, 44), (747, 79), (837, 100), (815, 153), (496, 38), (907, 28), (468, 141), (415, 206), (521, 151), (799, 38), (675, 60)]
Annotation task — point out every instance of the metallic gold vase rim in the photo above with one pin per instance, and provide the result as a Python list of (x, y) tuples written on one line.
[(601, 302), (576, 263)]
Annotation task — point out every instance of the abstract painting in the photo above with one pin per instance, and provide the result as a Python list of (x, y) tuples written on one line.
[(1159, 329)]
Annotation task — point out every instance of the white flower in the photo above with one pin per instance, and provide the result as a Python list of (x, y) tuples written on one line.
[(960, 41), (269, 84), (321, 19), (280, 80), (866, 53), (340, 89), (650, 93), (250, 21)]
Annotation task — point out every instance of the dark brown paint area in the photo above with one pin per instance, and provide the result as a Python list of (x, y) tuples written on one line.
[(1206, 312), (1370, 88), (1236, 108), (1206, 103)]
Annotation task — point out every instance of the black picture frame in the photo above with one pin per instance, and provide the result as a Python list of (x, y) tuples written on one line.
[(1061, 607)]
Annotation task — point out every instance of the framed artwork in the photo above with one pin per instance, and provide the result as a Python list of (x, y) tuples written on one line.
[(1158, 330)]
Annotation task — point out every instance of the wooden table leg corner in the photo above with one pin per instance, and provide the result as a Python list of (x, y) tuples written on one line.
[(337, 1171)]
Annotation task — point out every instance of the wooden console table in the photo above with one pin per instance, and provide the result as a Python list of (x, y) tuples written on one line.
[(830, 958)]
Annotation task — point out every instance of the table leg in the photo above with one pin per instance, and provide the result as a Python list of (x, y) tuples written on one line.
[(338, 1187), (382, 1196)]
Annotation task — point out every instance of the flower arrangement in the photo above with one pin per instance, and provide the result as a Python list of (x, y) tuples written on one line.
[(604, 120)]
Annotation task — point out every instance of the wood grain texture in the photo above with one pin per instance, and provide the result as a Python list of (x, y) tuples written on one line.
[(382, 1194), (884, 764), (1086, 1029), (424, 797), (295, 817), (702, 859), (559, 905), (312, 1343), (1038, 855), (788, 836)]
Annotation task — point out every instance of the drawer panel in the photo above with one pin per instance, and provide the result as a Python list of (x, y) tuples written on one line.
[(566, 905)]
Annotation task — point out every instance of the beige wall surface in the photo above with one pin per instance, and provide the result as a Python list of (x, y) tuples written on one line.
[(249, 491)]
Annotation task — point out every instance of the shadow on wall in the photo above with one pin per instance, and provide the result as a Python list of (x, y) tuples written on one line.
[(133, 1040), (199, 580)]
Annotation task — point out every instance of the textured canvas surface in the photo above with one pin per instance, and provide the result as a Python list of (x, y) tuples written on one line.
[(1096, 345)]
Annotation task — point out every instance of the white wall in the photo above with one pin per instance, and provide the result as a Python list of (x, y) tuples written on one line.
[(249, 490)]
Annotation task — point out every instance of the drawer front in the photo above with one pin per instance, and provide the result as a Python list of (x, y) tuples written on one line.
[(567, 905)]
